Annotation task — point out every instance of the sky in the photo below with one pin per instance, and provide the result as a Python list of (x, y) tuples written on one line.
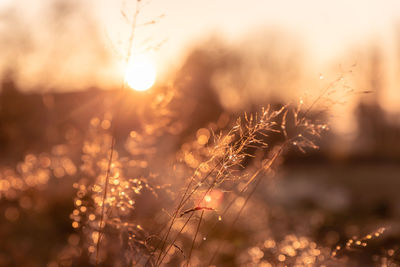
[(326, 29)]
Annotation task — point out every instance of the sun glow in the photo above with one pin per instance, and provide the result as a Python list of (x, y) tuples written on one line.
[(140, 73)]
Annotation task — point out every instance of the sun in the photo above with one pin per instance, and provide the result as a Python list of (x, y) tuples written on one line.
[(140, 73)]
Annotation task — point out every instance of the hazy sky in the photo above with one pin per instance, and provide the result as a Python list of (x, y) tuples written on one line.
[(326, 28)]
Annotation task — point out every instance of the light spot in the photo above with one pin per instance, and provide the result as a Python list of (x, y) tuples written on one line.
[(12, 214), (140, 73)]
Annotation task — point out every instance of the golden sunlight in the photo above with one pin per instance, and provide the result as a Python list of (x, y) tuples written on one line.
[(140, 73)]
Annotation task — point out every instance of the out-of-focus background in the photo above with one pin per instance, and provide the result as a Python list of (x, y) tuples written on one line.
[(61, 70)]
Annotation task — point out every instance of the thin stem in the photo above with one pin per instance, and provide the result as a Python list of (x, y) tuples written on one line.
[(133, 31), (194, 238), (173, 242), (164, 240), (320, 96), (182, 202), (257, 183), (160, 259), (101, 226), (113, 140)]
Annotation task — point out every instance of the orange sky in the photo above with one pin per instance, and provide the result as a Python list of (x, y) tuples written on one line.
[(325, 28)]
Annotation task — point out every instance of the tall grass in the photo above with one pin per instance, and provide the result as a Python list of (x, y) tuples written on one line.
[(139, 204), (219, 172)]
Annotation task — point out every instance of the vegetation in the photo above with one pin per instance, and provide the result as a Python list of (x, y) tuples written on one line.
[(195, 173)]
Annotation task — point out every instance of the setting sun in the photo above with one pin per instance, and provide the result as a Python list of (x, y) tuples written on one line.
[(141, 73)]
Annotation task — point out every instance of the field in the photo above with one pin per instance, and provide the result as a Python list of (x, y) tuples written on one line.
[(241, 154)]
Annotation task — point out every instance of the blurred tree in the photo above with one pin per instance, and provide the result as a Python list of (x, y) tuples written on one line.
[(198, 102), (377, 136)]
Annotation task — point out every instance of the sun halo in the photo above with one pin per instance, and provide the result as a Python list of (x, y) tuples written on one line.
[(140, 74)]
